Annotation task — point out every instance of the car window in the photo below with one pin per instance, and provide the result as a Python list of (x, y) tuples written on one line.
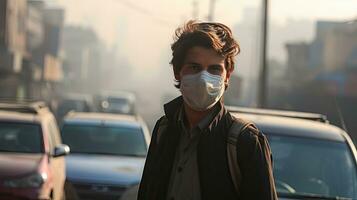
[(20, 137), (312, 166), (104, 140)]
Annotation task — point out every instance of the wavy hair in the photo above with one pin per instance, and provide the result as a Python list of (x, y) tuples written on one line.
[(215, 36)]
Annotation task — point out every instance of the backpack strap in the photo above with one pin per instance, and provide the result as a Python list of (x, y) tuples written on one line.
[(163, 124), (237, 127)]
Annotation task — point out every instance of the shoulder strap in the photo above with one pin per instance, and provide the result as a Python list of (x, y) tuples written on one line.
[(237, 127)]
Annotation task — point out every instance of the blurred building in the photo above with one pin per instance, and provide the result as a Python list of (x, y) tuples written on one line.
[(233, 94), (339, 42), (44, 67), (30, 38), (12, 47), (35, 34), (325, 72), (83, 59), (52, 58), (331, 57), (298, 62)]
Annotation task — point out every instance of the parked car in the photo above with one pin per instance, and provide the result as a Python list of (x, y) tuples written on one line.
[(74, 102), (118, 102), (32, 165), (312, 158), (107, 154)]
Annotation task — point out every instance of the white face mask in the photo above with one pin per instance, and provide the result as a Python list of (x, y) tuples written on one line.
[(203, 90)]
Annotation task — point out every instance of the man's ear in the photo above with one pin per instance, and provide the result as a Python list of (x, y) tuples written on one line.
[(228, 76)]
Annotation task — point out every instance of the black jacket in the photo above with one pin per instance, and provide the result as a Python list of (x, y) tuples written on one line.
[(254, 159)]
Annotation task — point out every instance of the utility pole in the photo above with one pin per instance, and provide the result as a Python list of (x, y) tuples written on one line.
[(212, 4), (263, 75)]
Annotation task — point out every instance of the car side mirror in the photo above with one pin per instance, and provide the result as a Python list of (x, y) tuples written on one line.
[(61, 150)]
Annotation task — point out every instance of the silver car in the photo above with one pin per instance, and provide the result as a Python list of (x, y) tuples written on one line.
[(312, 158), (108, 154)]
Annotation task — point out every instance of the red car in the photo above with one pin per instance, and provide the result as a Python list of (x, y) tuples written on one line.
[(32, 165)]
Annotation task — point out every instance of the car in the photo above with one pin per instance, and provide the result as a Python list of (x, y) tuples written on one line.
[(312, 159), (32, 165), (118, 102), (107, 154), (74, 102)]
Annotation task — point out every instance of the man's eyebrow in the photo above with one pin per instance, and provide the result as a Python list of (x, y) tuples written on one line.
[(215, 65), (192, 63)]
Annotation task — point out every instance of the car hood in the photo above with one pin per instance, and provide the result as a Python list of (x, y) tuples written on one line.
[(18, 164), (104, 169)]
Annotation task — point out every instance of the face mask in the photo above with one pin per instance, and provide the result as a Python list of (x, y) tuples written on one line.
[(202, 91)]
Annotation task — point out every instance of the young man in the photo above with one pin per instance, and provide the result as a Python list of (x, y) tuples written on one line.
[(188, 156)]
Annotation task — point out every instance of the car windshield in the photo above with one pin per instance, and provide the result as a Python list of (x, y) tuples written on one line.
[(304, 166), (114, 140), (20, 137), (118, 101), (76, 105)]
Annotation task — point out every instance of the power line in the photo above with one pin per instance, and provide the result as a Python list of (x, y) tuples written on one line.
[(144, 11)]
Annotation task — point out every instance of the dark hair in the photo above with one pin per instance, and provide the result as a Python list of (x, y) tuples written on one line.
[(214, 36)]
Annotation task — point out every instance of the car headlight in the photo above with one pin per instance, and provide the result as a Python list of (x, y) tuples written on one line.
[(34, 181)]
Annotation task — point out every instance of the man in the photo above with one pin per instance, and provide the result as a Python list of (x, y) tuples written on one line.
[(188, 156)]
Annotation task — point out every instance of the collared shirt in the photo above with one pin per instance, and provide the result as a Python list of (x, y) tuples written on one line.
[(184, 182)]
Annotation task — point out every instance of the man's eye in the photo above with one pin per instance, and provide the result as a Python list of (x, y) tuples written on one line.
[(215, 70), (195, 67)]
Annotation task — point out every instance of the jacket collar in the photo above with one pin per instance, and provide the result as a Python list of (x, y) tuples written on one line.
[(172, 110)]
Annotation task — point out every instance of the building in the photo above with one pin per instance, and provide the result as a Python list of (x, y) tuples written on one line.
[(233, 94), (44, 66), (298, 62), (30, 38), (35, 34), (340, 46), (83, 59), (52, 61), (330, 76), (12, 47), (333, 51)]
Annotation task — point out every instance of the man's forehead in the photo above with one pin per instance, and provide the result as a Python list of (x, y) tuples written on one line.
[(199, 54)]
